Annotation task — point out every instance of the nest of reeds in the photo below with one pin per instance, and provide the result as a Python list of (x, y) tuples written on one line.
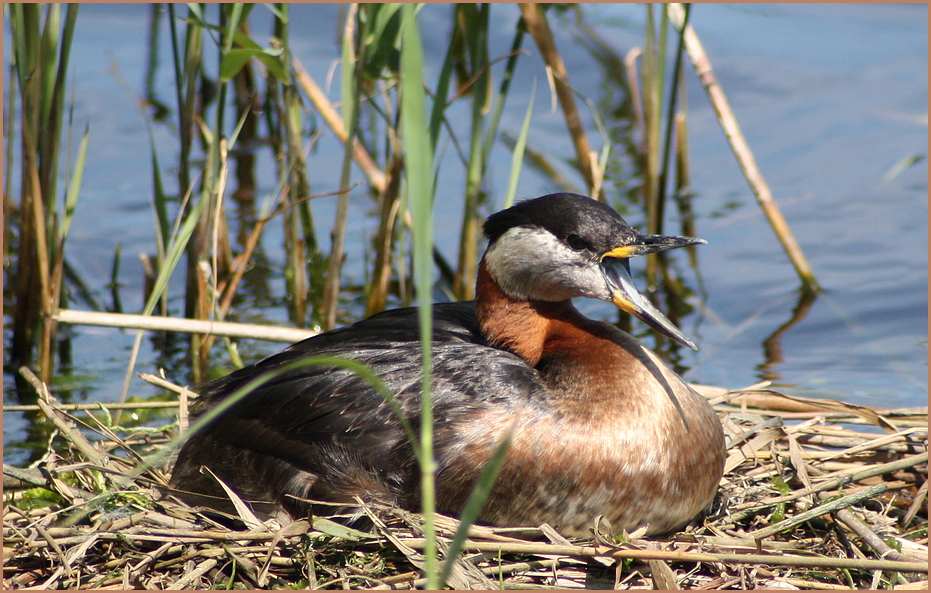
[(817, 495)]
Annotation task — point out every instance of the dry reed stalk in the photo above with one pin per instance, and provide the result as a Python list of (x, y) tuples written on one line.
[(921, 498), (795, 407), (98, 406), (676, 556), (742, 150), (194, 326), (36, 287), (633, 83), (375, 176), (192, 575), (175, 545), (384, 239), (536, 22)]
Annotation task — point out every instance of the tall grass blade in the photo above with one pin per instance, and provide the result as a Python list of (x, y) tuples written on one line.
[(177, 246), (9, 132), (492, 133), (419, 159), (519, 146), (160, 204), (651, 86), (440, 94), (67, 215), (74, 189)]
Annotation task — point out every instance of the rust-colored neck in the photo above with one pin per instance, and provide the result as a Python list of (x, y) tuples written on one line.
[(530, 329), (512, 324), (582, 358)]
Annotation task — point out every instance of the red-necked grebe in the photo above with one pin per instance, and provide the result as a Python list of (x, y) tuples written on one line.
[(599, 424)]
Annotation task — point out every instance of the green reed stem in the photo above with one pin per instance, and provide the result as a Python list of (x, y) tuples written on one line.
[(350, 94), (670, 122), (491, 135), (476, 37), (41, 52), (652, 93)]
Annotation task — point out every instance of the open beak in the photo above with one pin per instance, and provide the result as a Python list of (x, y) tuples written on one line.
[(625, 295)]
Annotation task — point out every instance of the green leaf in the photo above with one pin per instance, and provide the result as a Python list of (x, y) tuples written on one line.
[(380, 35), (37, 498), (74, 188), (519, 148), (236, 59), (338, 530)]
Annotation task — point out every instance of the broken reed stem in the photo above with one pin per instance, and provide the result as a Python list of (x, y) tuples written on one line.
[(193, 575), (390, 202), (46, 404), (828, 507), (871, 538), (742, 150), (606, 552)]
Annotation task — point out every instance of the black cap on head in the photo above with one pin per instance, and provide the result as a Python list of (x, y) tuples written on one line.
[(566, 215)]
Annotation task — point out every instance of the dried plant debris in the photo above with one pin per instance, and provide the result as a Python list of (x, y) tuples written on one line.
[(817, 495)]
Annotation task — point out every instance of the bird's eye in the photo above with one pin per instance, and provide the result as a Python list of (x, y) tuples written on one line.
[(576, 243)]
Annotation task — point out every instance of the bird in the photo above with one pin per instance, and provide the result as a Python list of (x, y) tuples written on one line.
[(596, 424)]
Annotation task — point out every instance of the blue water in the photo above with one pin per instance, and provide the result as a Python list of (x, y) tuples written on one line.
[(830, 97)]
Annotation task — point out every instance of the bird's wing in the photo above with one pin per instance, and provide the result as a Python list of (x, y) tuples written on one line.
[(308, 414)]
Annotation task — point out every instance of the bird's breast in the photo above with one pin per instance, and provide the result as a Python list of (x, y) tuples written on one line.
[(616, 434)]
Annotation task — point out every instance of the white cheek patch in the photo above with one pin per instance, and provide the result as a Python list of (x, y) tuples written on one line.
[(532, 264)]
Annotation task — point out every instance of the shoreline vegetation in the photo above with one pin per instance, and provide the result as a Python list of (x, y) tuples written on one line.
[(814, 497)]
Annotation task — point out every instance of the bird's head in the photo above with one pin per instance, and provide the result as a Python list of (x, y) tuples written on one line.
[(562, 246)]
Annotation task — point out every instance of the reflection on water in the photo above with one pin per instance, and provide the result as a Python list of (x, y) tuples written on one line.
[(772, 346), (831, 98)]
